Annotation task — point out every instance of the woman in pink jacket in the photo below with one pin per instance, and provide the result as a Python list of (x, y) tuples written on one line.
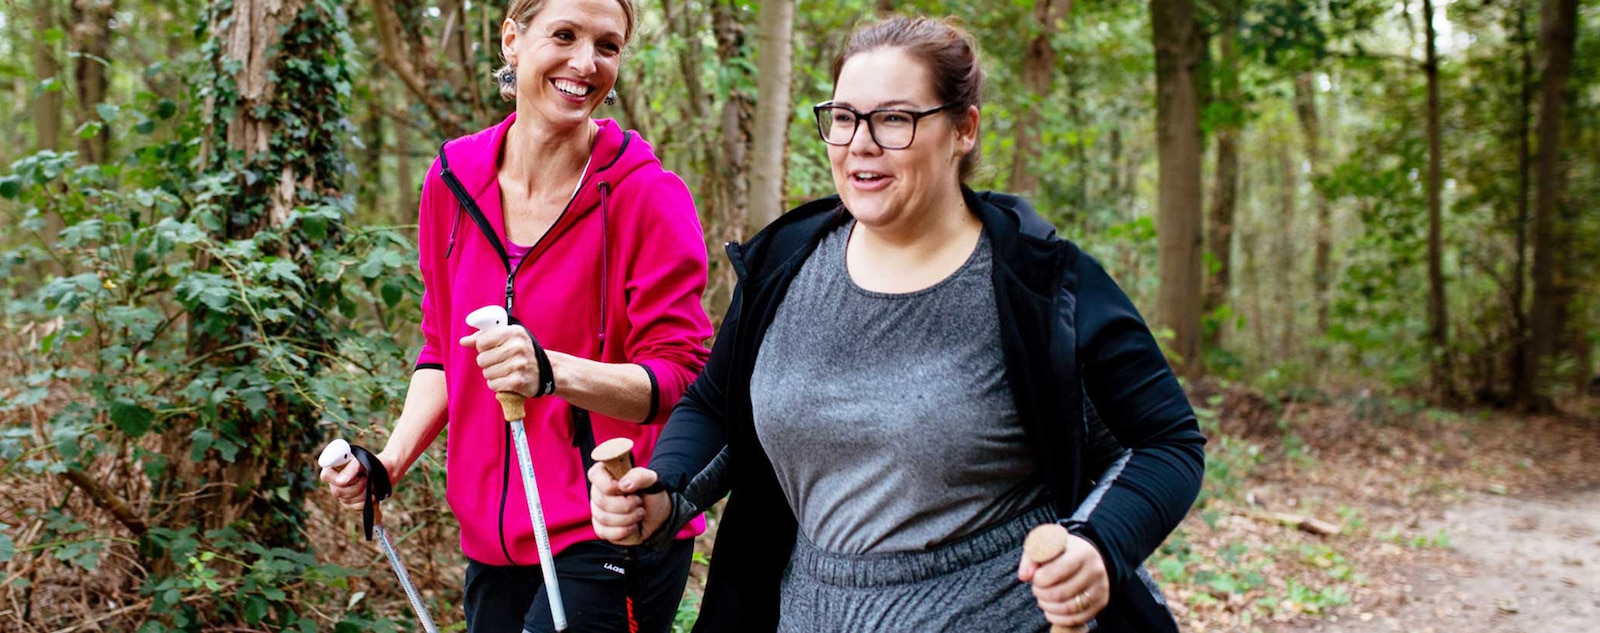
[(573, 225)]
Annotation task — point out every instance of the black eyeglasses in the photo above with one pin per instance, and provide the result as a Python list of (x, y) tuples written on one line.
[(890, 128)]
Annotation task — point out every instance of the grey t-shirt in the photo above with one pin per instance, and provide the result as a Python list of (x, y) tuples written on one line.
[(887, 417)]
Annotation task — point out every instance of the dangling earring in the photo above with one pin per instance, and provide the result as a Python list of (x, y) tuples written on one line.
[(611, 97), (508, 76)]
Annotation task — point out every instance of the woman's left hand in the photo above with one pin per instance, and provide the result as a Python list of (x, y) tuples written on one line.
[(1072, 588), (506, 356)]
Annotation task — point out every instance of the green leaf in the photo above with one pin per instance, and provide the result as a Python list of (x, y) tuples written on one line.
[(202, 439), (52, 84), (53, 35), (392, 292), (10, 186), (107, 111), (166, 109), (8, 549), (255, 609), (133, 419), (89, 129)]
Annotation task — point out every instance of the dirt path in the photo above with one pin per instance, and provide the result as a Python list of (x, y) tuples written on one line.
[(1513, 565)]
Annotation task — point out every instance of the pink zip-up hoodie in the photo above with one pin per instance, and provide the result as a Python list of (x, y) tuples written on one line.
[(617, 279)]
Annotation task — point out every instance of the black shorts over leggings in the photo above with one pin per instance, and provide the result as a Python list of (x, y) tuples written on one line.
[(501, 599)]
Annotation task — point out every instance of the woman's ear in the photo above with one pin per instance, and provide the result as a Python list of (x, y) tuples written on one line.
[(508, 40), (967, 131)]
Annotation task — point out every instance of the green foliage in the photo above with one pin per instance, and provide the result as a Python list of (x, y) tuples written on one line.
[(203, 339)]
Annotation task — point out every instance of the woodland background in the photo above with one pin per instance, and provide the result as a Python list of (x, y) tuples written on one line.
[(1362, 228)]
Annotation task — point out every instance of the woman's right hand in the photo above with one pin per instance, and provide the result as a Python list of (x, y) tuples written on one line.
[(619, 515)]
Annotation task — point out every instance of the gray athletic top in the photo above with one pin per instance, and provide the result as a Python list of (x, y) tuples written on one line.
[(887, 417)]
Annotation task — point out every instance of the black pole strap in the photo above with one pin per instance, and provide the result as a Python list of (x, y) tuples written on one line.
[(378, 486)]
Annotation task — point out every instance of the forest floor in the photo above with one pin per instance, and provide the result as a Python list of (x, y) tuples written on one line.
[(1442, 521), (1320, 513)]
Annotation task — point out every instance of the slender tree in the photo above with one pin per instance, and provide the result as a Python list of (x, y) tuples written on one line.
[(1225, 186), (775, 44), (1305, 97), (47, 109), (1038, 71), (1438, 321), (1178, 144), (1557, 35), (91, 38), (1522, 386)]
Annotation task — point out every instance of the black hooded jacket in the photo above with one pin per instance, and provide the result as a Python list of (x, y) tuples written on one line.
[(1070, 336)]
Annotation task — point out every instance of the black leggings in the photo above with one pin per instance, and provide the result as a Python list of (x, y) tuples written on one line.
[(505, 599)]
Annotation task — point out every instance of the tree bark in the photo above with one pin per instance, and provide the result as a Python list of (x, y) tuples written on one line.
[(1038, 69), (1225, 189), (1178, 144), (1438, 321), (91, 37), (774, 69), (1557, 33), (47, 109)]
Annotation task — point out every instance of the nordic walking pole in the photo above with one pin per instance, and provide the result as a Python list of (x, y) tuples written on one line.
[(512, 405), (617, 456), (1044, 544), (339, 453)]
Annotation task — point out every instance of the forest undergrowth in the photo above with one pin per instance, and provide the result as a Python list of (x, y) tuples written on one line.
[(1313, 503)]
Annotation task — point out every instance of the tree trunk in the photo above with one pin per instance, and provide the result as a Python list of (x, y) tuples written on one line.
[(1225, 189), (91, 37), (47, 109), (1305, 97), (1038, 68), (726, 156), (774, 68), (1557, 32), (1522, 387), (1438, 321), (1288, 200), (274, 143), (1178, 143), (369, 172), (406, 52)]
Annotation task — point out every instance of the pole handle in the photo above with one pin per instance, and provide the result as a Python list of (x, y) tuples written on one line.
[(617, 455), (1045, 543), (513, 405)]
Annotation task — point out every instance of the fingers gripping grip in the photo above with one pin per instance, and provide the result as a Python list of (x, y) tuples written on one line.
[(339, 453), (492, 316)]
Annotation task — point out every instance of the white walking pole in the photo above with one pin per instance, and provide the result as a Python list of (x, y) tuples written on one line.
[(511, 404), (339, 453)]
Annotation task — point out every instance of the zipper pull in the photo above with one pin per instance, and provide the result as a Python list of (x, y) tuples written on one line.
[(509, 279)]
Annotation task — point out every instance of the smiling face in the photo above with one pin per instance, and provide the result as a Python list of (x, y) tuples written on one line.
[(886, 187), (566, 58)]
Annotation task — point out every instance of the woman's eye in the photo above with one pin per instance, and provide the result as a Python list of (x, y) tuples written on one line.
[(610, 48), (565, 36), (894, 118), (840, 116)]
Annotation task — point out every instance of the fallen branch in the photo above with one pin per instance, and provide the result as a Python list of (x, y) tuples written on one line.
[(1310, 525), (104, 500)]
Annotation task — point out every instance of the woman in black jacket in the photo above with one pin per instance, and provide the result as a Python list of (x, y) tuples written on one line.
[(902, 388)]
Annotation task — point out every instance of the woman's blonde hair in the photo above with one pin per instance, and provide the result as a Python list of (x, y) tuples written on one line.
[(522, 13)]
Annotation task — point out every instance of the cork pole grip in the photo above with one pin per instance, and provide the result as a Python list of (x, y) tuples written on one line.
[(617, 455), (1044, 544), (512, 405)]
